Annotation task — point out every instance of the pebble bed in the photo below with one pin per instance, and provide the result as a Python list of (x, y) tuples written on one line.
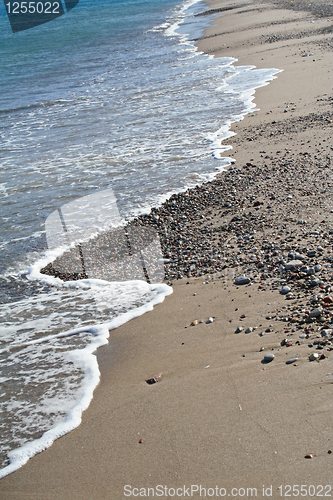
[(267, 224)]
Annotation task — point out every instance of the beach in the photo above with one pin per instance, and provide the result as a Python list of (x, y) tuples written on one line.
[(220, 417)]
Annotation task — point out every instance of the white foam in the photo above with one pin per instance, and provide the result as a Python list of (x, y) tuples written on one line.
[(87, 361)]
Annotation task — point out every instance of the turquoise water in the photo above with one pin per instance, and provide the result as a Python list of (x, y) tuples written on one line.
[(112, 95)]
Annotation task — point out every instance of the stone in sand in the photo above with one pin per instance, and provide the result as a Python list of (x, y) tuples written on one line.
[(242, 280), (291, 361), (293, 264), (154, 379), (269, 357)]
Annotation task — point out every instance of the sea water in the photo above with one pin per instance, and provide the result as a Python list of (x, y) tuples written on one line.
[(111, 96)]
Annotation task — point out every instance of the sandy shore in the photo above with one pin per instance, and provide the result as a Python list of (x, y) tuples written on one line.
[(220, 416)]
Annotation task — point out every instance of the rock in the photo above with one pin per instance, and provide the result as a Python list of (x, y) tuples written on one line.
[(285, 289), (249, 330), (309, 455), (315, 282), (296, 256), (293, 264), (154, 379), (317, 268), (239, 329), (326, 332), (242, 280), (195, 322), (291, 361), (315, 313), (314, 356), (269, 357), (210, 320), (328, 300), (311, 253)]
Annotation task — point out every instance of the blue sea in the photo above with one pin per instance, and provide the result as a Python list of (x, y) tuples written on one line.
[(110, 99)]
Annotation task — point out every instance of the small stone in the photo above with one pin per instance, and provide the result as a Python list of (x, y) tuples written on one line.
[(154, 379), (140, 441), (314, 356), (242, 280), (210, 320), (269, 357), (262, 349), (239, 329), (315, 313), (285, 290), (293, 264), (309, 455), (315, 282), (195, 322), (291, 361), (249, 330)]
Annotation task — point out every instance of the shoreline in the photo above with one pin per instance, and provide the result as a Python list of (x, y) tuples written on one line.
[(219, 415)]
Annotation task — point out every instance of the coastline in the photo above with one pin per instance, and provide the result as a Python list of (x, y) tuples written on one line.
[(218, 415)]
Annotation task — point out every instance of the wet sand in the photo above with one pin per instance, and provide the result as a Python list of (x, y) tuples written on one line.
[(219, 415)]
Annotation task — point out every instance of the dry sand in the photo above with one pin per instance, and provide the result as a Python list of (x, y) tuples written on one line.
[(219, 416)]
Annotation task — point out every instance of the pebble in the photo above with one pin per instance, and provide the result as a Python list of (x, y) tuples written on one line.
[(210, 320), (239, 329), (269, 357), (315, 282), (315, 313), (154, 379), (249, 330), (293, 264), (285, 289), (314, 356), (291, 361), (195, 322), (242, 280)]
